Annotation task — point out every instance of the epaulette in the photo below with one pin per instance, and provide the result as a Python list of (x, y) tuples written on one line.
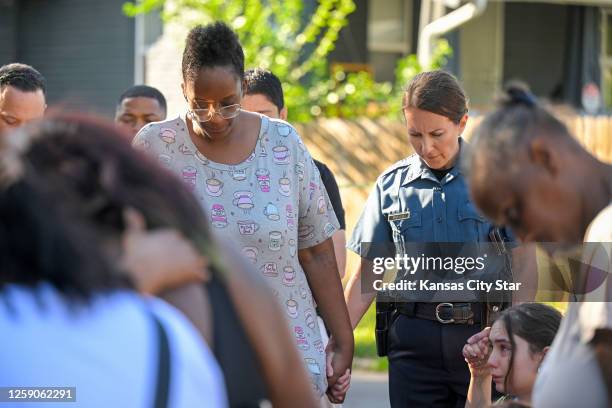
[(404, 163)]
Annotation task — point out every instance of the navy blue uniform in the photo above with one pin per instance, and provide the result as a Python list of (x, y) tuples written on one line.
[(409, 204)]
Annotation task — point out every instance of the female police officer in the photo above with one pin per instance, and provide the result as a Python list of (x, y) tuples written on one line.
[(424, 199)]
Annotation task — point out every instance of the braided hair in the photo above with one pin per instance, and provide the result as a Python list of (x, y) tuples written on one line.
[(518, 118)]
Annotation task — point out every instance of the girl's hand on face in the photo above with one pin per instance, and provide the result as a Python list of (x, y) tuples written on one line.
[(161, 259), (476, 353)]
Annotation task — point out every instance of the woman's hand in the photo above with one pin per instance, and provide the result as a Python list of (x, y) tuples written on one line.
[(476, 353), (337, 393), (161, 259), (339, 381), (321, 270)]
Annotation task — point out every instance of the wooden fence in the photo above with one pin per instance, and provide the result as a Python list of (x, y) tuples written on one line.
[(357, 151)]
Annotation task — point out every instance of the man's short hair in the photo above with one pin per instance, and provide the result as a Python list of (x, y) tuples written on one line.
[(143, 91), (23, 77), (262, 81)]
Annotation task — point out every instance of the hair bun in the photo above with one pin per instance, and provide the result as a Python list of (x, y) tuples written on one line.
[(517, 93)]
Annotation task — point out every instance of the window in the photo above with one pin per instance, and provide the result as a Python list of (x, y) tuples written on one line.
[(389, 34), (388, 28)]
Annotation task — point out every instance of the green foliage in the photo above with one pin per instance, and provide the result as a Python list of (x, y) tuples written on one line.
[(294, 43), (358, 94)]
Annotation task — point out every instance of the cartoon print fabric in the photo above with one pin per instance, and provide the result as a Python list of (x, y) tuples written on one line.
[(272, 204)]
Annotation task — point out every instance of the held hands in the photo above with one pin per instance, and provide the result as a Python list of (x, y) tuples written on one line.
[(338, 368), (160, 259), (476, 353)]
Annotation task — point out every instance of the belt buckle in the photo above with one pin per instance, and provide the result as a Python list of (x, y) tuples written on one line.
[(441, 320)]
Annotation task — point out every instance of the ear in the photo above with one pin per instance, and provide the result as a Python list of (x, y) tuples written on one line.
[(283, 113), (184, 93), (543, 354), (243, 89), (462, 123), (543, 155)]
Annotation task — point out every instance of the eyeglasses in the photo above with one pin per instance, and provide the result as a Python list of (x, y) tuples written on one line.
[(226, 112)]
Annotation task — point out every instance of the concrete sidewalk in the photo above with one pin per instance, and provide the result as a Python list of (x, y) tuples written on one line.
[(368, 390)]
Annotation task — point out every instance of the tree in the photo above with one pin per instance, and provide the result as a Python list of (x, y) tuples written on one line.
[(275, 34), (293, 42)]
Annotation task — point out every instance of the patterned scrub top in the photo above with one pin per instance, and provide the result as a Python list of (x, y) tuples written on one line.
[(272, 204)]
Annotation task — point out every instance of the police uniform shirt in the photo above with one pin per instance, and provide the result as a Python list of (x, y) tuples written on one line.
[(409, 208), (408, 203)]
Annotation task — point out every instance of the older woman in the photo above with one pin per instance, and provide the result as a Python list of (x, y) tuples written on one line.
[(423, 199), (261, 190), (552, 190)]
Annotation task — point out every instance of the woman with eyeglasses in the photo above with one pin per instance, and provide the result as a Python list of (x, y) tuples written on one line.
[(260, 188)]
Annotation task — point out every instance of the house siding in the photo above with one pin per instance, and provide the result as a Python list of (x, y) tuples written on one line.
[(84, 48), (535, 36)]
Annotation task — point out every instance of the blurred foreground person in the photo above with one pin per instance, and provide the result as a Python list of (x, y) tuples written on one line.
[(68, 312), (552, 190), (129, 198)]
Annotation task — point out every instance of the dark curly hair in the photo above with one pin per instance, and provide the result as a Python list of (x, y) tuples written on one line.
[(77, 177), (264, 82), (213, 45)]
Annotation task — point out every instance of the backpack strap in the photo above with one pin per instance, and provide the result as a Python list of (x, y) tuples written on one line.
[(162, 386)]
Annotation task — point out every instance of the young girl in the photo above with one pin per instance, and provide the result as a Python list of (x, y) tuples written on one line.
[(510, 353)]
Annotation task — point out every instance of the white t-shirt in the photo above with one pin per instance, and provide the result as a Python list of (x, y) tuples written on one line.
[(108, 350), (570, 375)]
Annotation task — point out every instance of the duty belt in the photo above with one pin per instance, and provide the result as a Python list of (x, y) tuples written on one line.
[(445, 313)]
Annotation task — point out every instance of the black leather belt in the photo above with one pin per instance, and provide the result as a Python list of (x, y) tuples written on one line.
[(445, 313)]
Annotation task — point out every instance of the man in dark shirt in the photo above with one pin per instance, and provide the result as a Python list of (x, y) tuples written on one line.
[(264, 94)]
